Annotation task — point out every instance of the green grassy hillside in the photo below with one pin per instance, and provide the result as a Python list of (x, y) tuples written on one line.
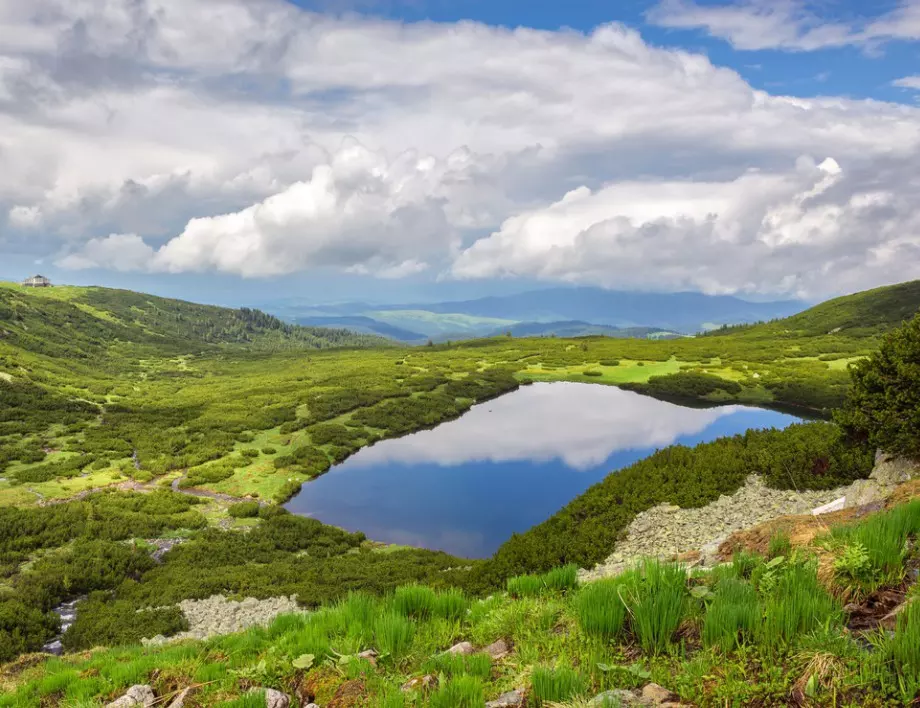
[(763, 630), (865, 314), (83, 322), (123, 393)]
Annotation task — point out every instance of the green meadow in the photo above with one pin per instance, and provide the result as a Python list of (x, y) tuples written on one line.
[(125, 418)]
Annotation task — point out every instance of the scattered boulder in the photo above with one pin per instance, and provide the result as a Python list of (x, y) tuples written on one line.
[(462, 648), (511, 699), (656, 695), (273, 698), (891, 471), (420, 682), (137, 695), (617, 697), (498, 649)]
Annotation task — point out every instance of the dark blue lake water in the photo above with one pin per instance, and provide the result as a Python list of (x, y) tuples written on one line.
[(467, 485)]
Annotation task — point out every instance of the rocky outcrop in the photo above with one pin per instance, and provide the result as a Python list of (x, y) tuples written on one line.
[(669, 532), (137, 695), (218, 615)]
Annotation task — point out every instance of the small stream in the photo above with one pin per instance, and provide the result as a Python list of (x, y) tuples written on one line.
[(67, 611)]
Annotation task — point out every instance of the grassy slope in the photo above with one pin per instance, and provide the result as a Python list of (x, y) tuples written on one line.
[(75, 321), (197, 380), (760, 631)]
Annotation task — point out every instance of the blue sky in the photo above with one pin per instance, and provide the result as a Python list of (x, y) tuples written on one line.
[(236, 151)]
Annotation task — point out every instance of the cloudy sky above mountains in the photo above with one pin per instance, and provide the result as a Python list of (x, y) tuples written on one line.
[(766, 148)]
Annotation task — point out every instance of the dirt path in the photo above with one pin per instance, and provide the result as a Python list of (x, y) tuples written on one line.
[(204, 494)]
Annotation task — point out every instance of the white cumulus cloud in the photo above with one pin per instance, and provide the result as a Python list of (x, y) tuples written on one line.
[(810, 231), (259, 138)]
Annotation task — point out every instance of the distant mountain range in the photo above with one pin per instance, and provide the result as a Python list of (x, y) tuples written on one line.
[(552, 311)]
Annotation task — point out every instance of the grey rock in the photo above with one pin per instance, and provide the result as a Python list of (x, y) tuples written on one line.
[(311, 705), (656, 695), (890, 470), (275, 699), (666, 530), (865, 491), (461, 648), (616, 698), (369, 655), (498, 649), (137, 695), (512, 699)]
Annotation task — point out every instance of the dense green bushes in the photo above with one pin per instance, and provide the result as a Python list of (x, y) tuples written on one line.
[(101, 622), (689, 384), (244, 510), (883, 407)]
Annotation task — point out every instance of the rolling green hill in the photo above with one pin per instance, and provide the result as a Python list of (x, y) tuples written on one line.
[(82, 322), (864, 314)]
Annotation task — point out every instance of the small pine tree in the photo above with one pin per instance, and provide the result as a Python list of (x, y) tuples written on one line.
[(883, 405)]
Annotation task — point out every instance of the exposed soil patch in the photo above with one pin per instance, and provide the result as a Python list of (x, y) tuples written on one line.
[(870, 613)]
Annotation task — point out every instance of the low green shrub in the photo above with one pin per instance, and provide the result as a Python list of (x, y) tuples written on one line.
[(103, 622), (244, 510)]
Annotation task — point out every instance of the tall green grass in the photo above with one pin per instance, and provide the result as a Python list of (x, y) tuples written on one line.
[(393, 634), (459, 692), (556, 580), (451, 604), (562, 578), (479, 665), (600, 609), (414, 600), (780, 545), (525, 585), (794, 604), (733, 616), (557, 684), (884, 538), (904, 648), (655, 600)]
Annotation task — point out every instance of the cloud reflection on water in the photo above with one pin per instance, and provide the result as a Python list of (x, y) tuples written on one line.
[(582, 428)]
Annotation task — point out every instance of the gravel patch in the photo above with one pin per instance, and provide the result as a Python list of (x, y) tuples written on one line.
[(218, 615), (666, 530)]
